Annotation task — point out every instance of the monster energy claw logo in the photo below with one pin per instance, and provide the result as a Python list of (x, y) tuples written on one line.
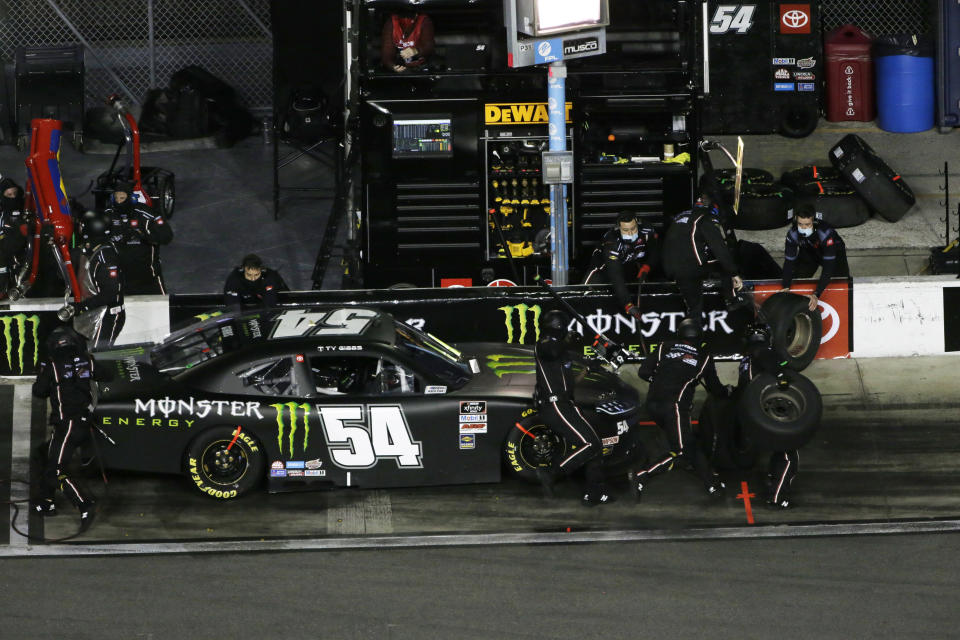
[(522, 311), (502, 365), (20, 320), (292, 410)]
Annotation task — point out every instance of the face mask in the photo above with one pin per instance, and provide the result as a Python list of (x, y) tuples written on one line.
[(805, 232), (630, 238)]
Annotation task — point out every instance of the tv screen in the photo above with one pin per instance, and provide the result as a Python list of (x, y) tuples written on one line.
[(562, 15), (427, 137)]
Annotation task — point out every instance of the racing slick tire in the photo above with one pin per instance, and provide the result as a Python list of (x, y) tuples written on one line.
[(220, 470), (534, 447), (796, 178), (166, 196), (836, 200), (795, 330), (762, 206), (883, 189), (726, 178), (780, 417), (799, 120), (722, 437)]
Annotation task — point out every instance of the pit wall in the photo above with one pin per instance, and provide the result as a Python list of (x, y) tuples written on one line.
[(862, 317)]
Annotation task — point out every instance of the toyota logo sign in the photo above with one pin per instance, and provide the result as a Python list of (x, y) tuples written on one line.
[(795, 18)]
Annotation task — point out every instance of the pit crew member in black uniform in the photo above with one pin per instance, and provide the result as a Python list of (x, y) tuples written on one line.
[(673, 372), (12, 239), (627, 252), (761, 358), (137, 232), (812, 243), (693, 250), (554, 397), (101, 314), (252, 285), (66, 378)]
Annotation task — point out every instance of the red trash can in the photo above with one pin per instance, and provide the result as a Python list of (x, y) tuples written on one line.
[(849, 75)]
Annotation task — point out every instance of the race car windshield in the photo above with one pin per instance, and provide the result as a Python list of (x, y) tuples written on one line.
[(193, 348), (433, 355)]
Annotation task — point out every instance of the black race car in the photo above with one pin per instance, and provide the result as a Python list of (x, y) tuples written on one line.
[(325, 397)]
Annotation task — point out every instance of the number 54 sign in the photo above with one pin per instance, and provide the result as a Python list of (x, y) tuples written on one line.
[(737, 18)]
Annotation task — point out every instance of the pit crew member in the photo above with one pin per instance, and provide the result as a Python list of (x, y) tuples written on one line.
[(252, 285), (137, 232), (812, 243), (628, 251)]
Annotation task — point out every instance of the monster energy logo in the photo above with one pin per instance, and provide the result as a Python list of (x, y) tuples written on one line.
[(20, 320), (502, 365), (292, 408), (522, 311)]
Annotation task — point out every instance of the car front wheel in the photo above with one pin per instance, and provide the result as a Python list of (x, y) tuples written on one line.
[(225, 464)]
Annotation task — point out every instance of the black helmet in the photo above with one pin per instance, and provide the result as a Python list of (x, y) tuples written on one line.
[(64, 337), (689, 330), (554, 324), (96, 227), (757, 334)]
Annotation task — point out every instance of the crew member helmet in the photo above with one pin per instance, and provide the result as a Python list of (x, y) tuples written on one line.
[(689, 330), (554, 324)]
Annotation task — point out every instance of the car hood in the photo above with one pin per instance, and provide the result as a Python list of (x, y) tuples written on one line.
[(511, 370)]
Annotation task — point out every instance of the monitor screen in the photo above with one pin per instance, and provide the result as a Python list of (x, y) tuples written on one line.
[(562, 15), (427, 137)]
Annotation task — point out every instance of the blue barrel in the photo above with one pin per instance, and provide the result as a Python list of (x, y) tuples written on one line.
[(903, 68)]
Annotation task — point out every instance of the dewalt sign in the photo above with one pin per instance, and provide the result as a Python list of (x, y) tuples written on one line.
[(507, 113), (526, 320), (21, 341), (288, 423)]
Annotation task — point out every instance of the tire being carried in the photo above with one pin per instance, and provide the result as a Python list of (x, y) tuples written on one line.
[(795, 330), (224, 468), (778, 416)]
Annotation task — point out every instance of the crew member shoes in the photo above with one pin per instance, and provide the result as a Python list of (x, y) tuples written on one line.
[(45, 507), (596, 494)]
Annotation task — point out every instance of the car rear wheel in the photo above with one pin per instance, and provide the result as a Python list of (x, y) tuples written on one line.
[(225, 464)]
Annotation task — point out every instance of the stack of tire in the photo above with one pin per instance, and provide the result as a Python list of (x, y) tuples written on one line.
[(764, 202), (769, 414), (829, 193), (883, 189)]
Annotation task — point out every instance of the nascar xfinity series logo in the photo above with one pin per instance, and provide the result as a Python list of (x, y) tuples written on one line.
[(20, 327)]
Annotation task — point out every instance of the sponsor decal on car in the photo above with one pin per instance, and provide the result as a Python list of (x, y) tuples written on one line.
[(804, 75), (295, 473), (807, 63), (794, 18), (126, 421), (294, 464), (610, 441), (785, 62), (473, 406), (288, 422), (315, 473), (473, 427), (278, 473), (15, 329), (473, 417), (806, 86), (782, 74), (783, 86), (468, 441), (197, 408), (313, 464), (277, 464), (502, 365), (435, 389)]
